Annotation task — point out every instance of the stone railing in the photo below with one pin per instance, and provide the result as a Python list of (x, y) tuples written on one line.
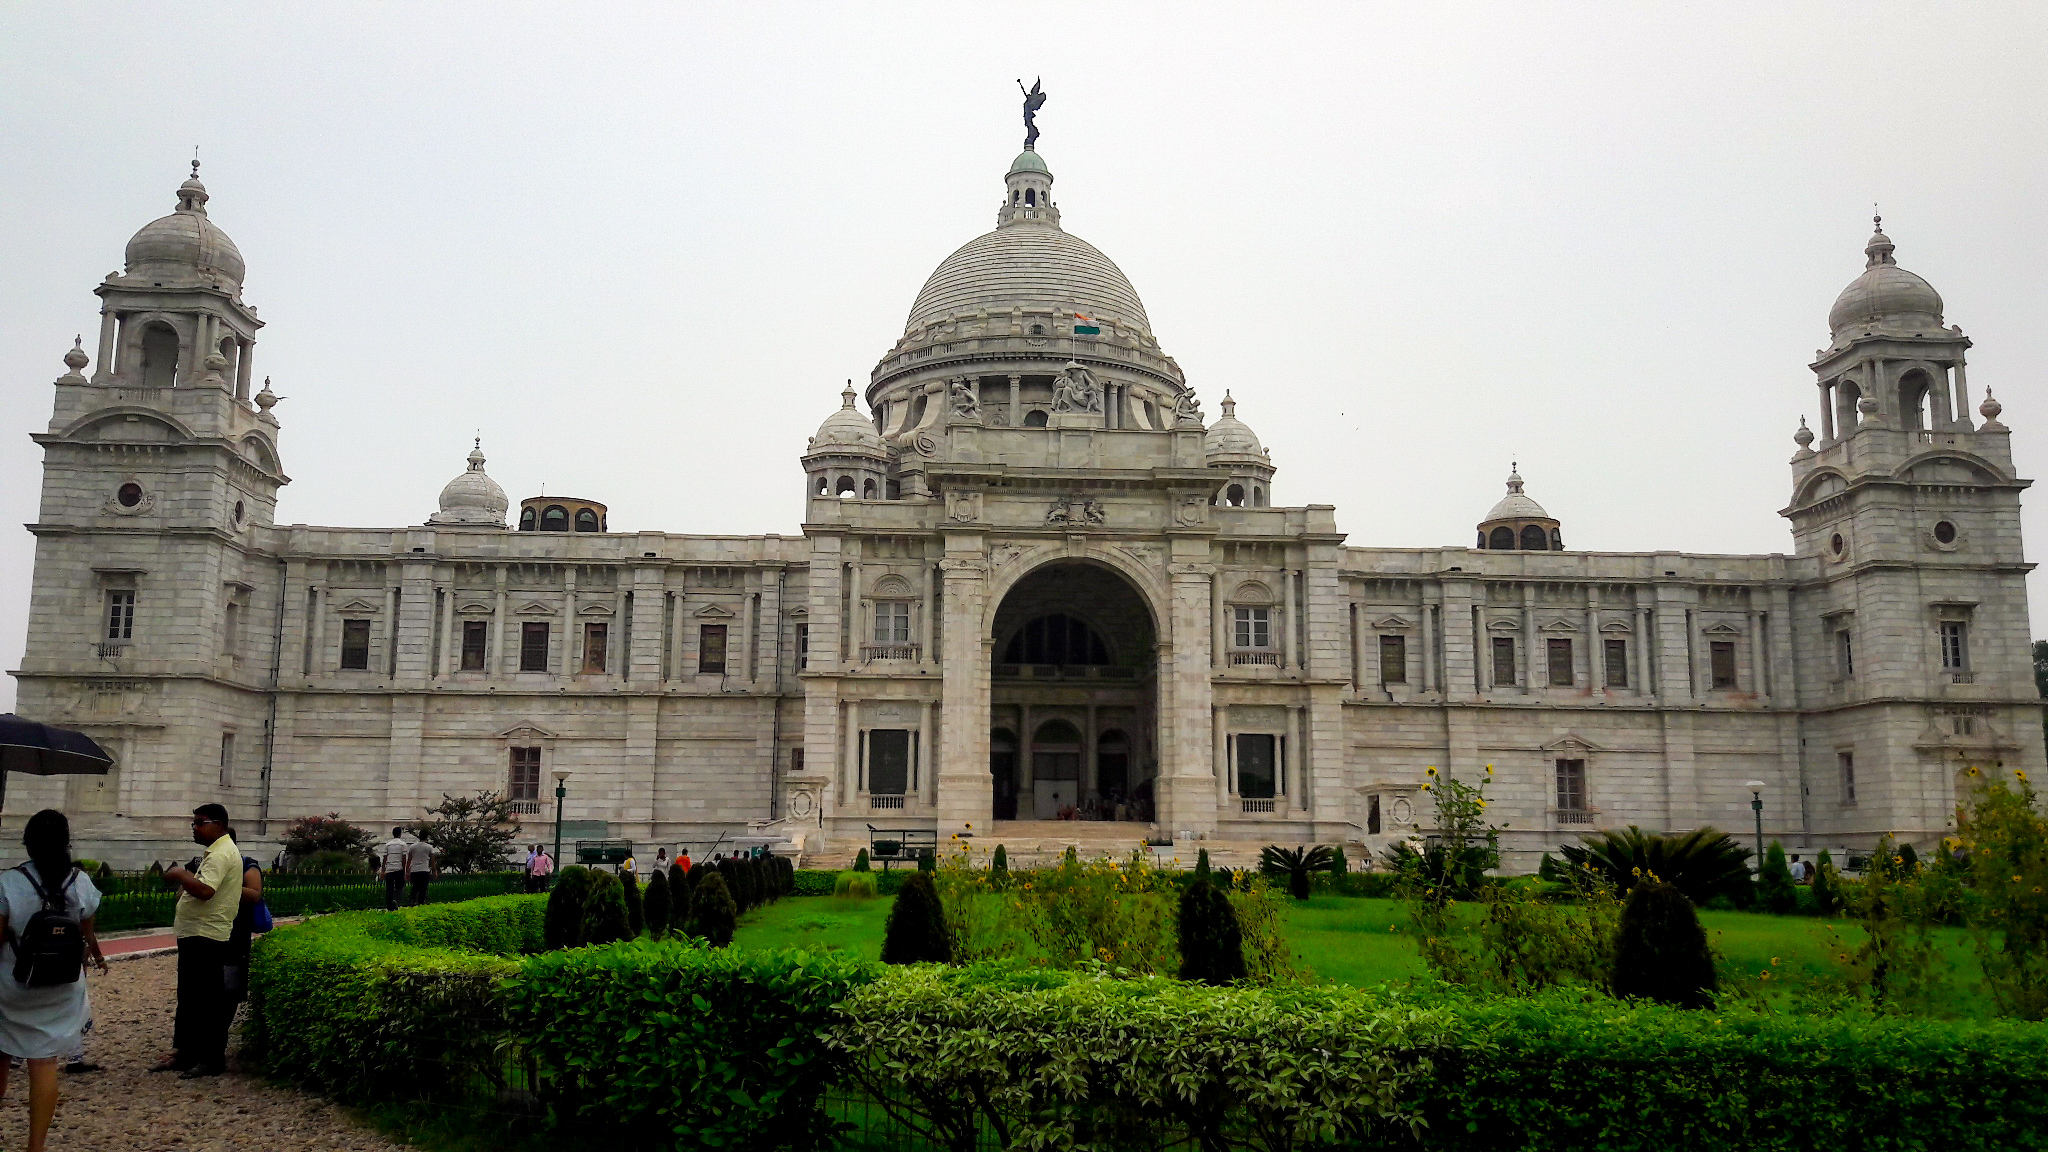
[(891, 651)]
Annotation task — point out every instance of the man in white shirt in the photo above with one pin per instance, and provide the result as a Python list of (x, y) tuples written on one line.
[(419, 860), (392, 860)]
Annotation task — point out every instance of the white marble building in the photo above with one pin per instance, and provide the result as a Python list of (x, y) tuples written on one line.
[(1033, 582)]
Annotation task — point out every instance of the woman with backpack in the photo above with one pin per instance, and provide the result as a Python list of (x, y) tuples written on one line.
[(46, 911)]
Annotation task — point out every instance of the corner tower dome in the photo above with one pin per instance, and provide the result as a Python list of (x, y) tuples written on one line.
[(185, 246), (1519, 523), (1886, 297), (473, 497)]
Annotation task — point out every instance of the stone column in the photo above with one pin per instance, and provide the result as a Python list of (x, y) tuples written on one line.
[(1645, 643), (245, 354), (1359, 668), (103, 367), (1529, 638), (1088, 779), (927, 779), (1461, 652), (1759, 665), (642, 658), (502, 623), (570, 641), (1219, 756), (451, 644), (1962, 395), (1596, 658), (964, 796), (1288, 654), (849, 763), (1016, 401), (1219, 642), (1827, 413), (1185, 795), (1426, 634), (316, 656)]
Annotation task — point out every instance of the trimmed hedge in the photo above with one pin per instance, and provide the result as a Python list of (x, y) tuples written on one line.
[(126, 911), (673, 1044)]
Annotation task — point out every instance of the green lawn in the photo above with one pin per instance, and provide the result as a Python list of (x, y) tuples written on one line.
[(1348, 940)]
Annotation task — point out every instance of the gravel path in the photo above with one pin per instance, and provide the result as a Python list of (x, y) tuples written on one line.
[(127, 1108)]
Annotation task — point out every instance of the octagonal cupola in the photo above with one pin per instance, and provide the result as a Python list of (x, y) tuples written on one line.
[(1519, 523), (1231, 446), (847, 458)]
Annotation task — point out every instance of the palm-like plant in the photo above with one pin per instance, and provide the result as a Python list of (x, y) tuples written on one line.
[(1703, 863), (1295, 864)]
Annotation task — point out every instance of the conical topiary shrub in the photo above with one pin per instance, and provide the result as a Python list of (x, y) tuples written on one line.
[(713, 915), (1774, 887), (860, 862), (1211, 943), (562, 927), (1827, 885), (999, 867), (636, 920), (1338, 864), (1202, 864), (604, 911), (1661, 951), (654, 904), (917, 925)]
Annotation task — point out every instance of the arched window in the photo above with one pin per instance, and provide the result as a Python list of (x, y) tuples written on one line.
[(1535, 539), (1233, 496), (1056, 639), (867, 490), (1016, 197), (1914, 401), (527, 520), (1847, 414), (554, 518), (159, 356), (1038, 329), (1502, 539), (1030, 197), (824, 486), (1258, 496), (1482, 540), (1034, 419), (846, 489), (1556, 540), (586, 520)]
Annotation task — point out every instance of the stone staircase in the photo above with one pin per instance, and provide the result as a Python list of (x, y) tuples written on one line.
[(1043, 843)]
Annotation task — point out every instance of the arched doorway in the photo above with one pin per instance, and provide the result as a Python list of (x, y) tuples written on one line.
[(1072, 698)]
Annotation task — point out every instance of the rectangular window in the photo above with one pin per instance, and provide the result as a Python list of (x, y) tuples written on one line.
[(1617, 662), (1847, 760), (888, 761), (475, 636), (1393, 659), (796, 759), (522, 783), (803, 646), (533, 646), (1721, 655), (711, 648), (227, 759), (1256, 765), (1558, 652), (892, 622), (595, 637), (1571, 785), (1253, 627), (1372, 815), (1504, 661), (355, 645), (121, 615), (231, 630), (1955, 646), (1845, 655)]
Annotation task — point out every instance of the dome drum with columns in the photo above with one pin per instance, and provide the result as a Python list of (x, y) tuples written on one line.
[(1037, 598)]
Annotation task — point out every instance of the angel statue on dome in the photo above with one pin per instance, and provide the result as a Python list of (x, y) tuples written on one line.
[(1034, 99)]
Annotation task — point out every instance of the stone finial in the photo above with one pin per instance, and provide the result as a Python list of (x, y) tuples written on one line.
[(1514, 478), (476, 456), (266, 400), (1880, 248), (75, 360), (1228, 405), (846, 397), (1867, 405), (1990, 409), (1803, 437)]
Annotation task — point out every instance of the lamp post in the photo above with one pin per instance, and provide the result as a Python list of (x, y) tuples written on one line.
[(561, 790), (1756, 806)]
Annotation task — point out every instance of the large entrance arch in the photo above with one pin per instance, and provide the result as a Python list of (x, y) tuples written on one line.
[(1073, 702)]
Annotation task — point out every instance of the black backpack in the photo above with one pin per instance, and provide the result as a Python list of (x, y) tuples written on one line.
[(50, 950)]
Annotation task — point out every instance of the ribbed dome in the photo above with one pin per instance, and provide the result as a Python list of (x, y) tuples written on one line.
[(1885, 296), (1027, 264), (473, 497), (185, 245), (1516, 505), (847, 429), (1229, 436)]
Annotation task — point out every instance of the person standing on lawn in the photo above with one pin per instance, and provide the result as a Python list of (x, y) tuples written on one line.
[(391, 858), (44, 1023), (543, 867), (420, 861), (202, 924)]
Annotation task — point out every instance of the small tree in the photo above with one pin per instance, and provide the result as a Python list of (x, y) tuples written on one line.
[(636, 918), (1338, 864), (1211, 941), (1827, 885), (999, 867), (563, 925), (1774, 887), (654, 904), (1661, 951), (713, 915), (1295, 864), (473, 833), (1202, 864), (917, 925), (605, 920), (312, 835), (860, 862)]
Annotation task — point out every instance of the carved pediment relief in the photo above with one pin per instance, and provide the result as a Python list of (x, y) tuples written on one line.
[(1392, 624), (892, 587), (1723, 629), (1252, 592), (1560, 625), (473, 608), (536, 608), (594, 610), (1615, 626), (357, 607), (1572, 742), (713, 612), (526, 731), (1504, 626)]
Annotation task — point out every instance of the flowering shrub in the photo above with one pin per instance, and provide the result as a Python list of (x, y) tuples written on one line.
[(2004, 839)]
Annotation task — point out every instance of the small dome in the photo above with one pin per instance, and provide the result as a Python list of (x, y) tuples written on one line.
[(848, 429), (1028, 161), (1229, 436), (1885, 296), (1515, 505), (185, 245), (473, 497)]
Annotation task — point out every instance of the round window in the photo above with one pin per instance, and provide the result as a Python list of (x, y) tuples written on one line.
[(240, 512), (129, 495), (1836, 544), (1945, 532)]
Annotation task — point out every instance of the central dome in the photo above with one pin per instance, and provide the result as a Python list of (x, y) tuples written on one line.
[(1029, 261)]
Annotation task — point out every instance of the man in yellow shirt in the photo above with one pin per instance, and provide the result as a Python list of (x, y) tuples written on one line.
[(205, 918)]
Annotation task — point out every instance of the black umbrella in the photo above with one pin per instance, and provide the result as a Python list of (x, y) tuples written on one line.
[(40, 750)]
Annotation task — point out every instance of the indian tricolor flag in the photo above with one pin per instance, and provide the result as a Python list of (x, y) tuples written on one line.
[(1085, 325)]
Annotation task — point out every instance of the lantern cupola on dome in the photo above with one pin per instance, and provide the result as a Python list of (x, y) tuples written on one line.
[(1519, 523)]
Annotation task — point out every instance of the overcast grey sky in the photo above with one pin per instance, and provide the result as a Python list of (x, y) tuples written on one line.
[(641, 248)]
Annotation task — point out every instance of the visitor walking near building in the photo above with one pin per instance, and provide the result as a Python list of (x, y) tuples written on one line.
[(246, 928), (660, 860), (43, 1004), (543, 867), (683, 860), (391, 858), (422, 860), (202, 924), (629, 866)]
